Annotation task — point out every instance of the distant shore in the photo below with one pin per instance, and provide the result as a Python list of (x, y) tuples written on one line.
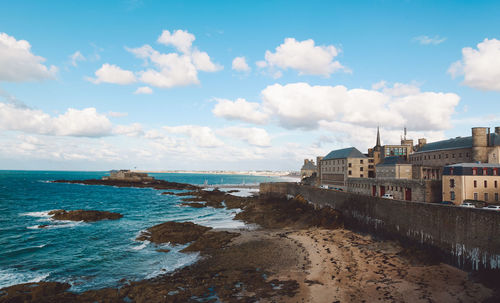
[(223, 172)]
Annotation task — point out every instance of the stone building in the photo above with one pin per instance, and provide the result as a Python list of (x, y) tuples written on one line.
[(429, 158), (394, 168), (400, 189), (471, 181), (308, 169), (379, 152), (339, 165), (127, 175)]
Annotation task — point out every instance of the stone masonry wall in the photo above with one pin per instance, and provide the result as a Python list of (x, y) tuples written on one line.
[(469, 238)]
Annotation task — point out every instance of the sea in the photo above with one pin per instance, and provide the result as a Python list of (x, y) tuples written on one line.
[(99, 254)]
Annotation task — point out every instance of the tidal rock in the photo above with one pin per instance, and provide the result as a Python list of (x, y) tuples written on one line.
[(173, 232), (84, 215)]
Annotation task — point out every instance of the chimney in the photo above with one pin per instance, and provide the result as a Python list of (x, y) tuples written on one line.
[(488, 139)]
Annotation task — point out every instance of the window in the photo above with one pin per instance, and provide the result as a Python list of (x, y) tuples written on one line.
[(452, 183), (434, 156), (446, 156), (467, 155), (439, 156), (452, 195), (475, 196), (485, 171), (361, 169), (350, 173), (361, 161), (350, 164), (485, 184), (496, 197), (474, 171), (361, 176), (496, 183), (453, 155), (475, 184), (451, 171), (485, 196), (495, 172)]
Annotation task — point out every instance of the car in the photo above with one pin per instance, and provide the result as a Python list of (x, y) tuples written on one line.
[(492, 207), (446, 203), (466, 204), (388, 196)]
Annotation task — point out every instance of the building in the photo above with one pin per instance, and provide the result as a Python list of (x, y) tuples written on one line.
[(428, 159), (471, 181), (379, 152), (400, 189), (394, 167), (127, 175), (308, 169), (339, 165)]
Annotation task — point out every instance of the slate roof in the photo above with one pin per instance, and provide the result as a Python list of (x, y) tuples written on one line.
[(478, 165), (308, 166), (350, 152), (455, 143), (393, 160)]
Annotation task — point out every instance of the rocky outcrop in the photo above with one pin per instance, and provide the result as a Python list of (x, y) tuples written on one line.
[(157, 184), (84, 215), (173, 232)]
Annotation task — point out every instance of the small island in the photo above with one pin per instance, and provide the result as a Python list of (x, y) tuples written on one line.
[(84, 215)]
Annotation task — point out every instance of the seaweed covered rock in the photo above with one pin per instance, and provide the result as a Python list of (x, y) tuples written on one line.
[(84, 215), (173, 232)]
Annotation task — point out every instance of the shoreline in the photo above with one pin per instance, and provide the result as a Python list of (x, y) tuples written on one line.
[(294, 255)]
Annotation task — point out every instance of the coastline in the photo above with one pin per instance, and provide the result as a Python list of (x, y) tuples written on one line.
[(222, 172), (297, 254)]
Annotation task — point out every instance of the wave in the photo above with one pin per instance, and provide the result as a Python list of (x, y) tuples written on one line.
[(58, 224), (142, 246), (38, 214), (9, 277)]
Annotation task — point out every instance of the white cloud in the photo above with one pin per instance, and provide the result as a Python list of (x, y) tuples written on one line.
[(203, 136), (75, 57), (80, 123), (302, 106), (116, 114), (252, 135), (240, 64), (426, 40), (143, 90), (202, 62), (240, 109), (19, 64), (305, 57), (109, 73), (480, 67), (180, 39), (261, 64), (133, 130)]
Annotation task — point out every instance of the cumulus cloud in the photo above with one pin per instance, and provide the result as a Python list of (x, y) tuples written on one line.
[(19, 64), (305, 57), (240, 64), (176, 68), (240, 109), (133, 130), (203, 136), (480, 67), (302, 106), (252, 135), (180, 39), (109, 73), (75, 57), (426, 40), (79, 123), (143, 90)]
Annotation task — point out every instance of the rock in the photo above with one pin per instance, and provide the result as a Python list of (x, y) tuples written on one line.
[(168, 193), (194, 204), (84, 215), (43, 226), (164, 250), (211, 240), (173, 232), (157, 184)]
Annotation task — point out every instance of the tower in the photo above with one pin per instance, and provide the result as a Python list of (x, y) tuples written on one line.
[(377, 149)]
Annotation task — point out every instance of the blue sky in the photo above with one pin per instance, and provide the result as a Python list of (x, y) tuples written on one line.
[(319, 75)]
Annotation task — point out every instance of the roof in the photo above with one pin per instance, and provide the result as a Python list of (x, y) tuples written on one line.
[(456, 143), (350, 152), (308, 166), (393, 160), (475, 165)]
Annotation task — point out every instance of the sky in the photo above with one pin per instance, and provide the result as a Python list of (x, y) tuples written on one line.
[(238, 85)]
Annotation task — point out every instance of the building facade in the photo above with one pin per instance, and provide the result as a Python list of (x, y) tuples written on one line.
[(471, 181), (400, 189), (394, 168), (339, 165), (308, 169)]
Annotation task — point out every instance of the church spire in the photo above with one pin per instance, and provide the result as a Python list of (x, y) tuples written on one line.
[(378, 136)]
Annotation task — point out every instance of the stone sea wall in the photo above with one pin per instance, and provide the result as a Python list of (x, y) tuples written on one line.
[(466, 237)]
